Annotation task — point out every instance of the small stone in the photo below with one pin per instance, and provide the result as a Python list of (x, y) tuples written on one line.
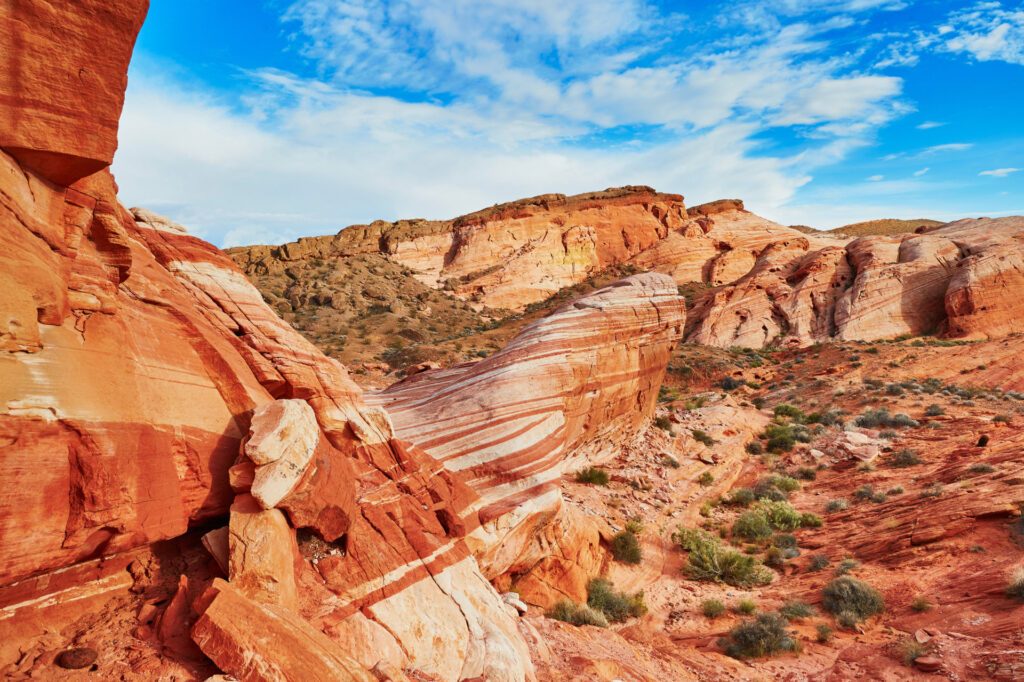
[(928, 664), (922, 637), (74, 659)]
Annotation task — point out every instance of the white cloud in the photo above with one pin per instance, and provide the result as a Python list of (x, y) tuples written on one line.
[(949, 147), (999, 172), (921, 173), (928, 125), (987, 32), (876, 178), (437, 107)]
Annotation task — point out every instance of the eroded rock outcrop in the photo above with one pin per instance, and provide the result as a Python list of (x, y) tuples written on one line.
[(959, 280), (515, 422)]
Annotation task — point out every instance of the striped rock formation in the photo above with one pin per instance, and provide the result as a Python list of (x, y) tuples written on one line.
[(513, 423), (961, 280)]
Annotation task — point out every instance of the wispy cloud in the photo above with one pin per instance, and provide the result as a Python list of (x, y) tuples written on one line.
[(922, 172), (999, 172), (876, 178), (928, 125)]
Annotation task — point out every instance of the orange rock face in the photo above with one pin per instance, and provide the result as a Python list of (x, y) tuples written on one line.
[(63, 71), (958, 280)]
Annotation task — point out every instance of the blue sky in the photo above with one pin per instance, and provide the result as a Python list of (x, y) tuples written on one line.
[(262, 121)]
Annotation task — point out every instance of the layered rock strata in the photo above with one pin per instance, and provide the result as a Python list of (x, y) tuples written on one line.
[(514, 423)]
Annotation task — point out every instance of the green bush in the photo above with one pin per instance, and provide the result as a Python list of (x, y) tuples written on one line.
[(670, 462), (847, 565), (754, 447), (616, 606), (577, 614), (847, 619), (911, 650), (819, 562), (763, 636), (780, 437), (806, 473), (663, 423), (905, 458), (809, 520), (789, 411), (712, 608), (706, 479), (881, 418), (747, 607), (849, 595), (703, 437), (731, 384), (796, 610), (709, 560), (837, 505), (934, 410), (981, 468), (824, 633), (626, 547), (741, 497), (592, 475), (781, 515), (921, 604), (752, 525)]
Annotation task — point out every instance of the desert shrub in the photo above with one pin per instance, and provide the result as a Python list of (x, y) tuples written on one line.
[(712, 608), (616, 606), (706, 478), (592, 475), (888, 434), (752, 525), (904, 458), (663, 423), (849, 595), (709, 560), (911, 650), (824, 633), (933, 490), (846, 565), (806, 473), (836, 505), (789, 411), (819, 562), (577, 614), (775, 557), (1001, 419), (921, 604), (670, 462), (775, 487), (934, 410), (763, 636), (754, 447), (780, 437), (881, 418), (746, 607), (781, 515), (741, 497), (828, 418), (981, 468), (626, 547), (731, 384), (796, 610), (847, 619), (702, 437), (867, 493), (635, 526), (784, 541), (895, 490), (1015, 584), (809, 520)]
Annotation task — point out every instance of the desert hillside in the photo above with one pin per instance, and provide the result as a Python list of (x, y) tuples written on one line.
[(599, 437)]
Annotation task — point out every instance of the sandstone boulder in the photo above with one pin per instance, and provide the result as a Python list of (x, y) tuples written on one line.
[(262, 554)]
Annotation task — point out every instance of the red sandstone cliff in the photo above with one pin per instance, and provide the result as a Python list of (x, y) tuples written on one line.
[(147, 389)]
